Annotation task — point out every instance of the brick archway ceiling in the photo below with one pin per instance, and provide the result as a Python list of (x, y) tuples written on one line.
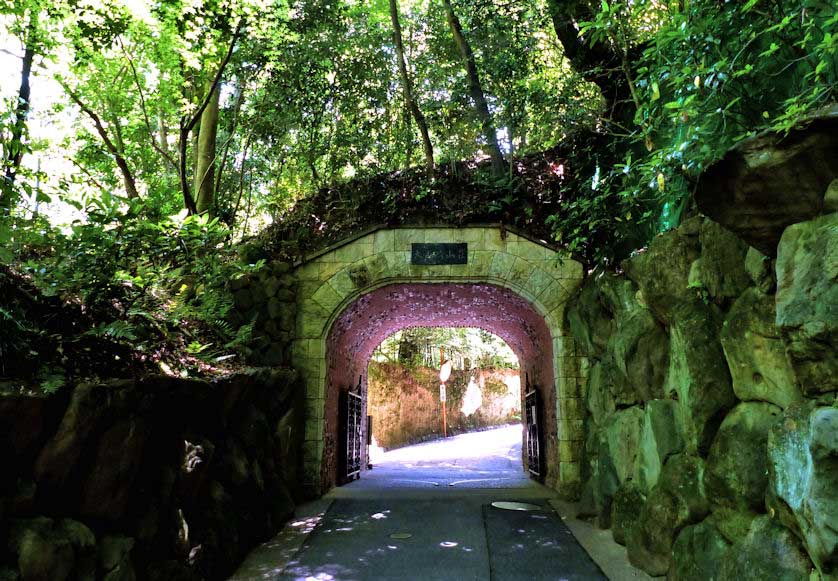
[(380, 313)]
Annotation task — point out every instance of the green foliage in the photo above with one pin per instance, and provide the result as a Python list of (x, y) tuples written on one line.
[(710, 74), (147, 281), (52, 382), (116, 330), (713, 77), (311, 96), (420, 347)]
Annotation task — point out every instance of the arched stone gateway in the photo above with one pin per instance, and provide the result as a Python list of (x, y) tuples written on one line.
[(352, 295)]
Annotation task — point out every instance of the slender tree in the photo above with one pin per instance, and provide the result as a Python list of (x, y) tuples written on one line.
[(188, 123), (205, 155), (481, 107), (115, 149), (15, 153), (407, 84)]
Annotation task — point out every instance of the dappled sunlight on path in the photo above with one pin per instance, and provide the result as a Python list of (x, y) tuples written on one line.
[(426, 512)]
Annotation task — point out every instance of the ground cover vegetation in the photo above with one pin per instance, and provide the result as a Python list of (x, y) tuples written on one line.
[(142, 142)]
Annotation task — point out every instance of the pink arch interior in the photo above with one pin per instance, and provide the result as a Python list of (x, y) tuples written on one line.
[(365, 323)]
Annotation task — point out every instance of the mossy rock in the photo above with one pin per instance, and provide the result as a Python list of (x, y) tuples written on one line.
[(625, 510), (803, 479), (698, 375), (770, 551), (677, 501), (736, 466), (698, 553), (756, 352)]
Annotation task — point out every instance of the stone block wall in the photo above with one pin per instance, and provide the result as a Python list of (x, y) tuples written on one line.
[(711, 403), (161, 479), (267, 299)]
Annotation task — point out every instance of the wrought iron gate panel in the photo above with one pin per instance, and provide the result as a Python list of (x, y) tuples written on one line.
[(351, 435), (532, 416)]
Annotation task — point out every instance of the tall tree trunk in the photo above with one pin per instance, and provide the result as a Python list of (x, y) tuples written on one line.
[(205, 167), (15, 152), (163, 133), (476, 91), (127, 178), (597, 64), (188, 123), (409, 98)]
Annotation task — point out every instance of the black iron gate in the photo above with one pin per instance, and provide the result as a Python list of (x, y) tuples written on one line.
[(350, 412), (532, 416)]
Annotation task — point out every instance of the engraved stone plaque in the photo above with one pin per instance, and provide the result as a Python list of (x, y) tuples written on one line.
[(428, 254)]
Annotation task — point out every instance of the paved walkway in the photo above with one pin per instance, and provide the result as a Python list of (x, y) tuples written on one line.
[(425, 512)]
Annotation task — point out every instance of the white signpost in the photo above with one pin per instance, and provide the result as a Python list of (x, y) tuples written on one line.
[(444, 374)]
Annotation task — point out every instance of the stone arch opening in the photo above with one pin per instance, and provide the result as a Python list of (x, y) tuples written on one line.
[(498, 266), (367, 321)]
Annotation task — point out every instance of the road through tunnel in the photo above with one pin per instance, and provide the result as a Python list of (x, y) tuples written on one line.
[(365, 323)]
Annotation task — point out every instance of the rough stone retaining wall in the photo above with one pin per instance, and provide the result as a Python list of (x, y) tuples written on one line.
[(711, 391), (160, 479), (267, 299)]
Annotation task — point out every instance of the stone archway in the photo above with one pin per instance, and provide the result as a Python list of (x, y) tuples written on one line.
[(334, 279)]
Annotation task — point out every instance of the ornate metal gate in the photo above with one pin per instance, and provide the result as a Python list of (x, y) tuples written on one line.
[(351, 423), (532, 416)]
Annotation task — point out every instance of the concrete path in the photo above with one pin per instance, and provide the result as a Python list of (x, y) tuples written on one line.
[(425, 512)]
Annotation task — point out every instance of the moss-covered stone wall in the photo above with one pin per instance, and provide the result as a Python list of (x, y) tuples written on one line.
[(267, 299), (711, 429)]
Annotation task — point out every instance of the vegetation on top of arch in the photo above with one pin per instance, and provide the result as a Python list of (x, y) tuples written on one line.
[(533, 192)]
